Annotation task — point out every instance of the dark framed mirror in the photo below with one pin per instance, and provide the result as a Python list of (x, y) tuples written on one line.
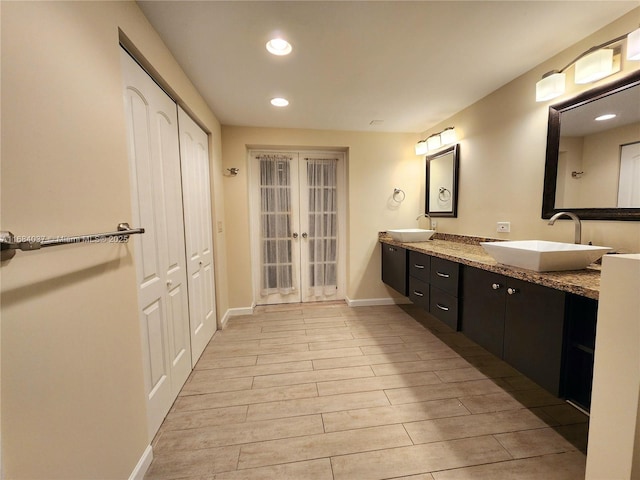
[(592, 166), (441, 197)]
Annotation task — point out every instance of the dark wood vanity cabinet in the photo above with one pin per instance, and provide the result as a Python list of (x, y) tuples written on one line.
[(483, 308), (521, 322), (419, 273), (445, 280), (394, 267), (580, 340)]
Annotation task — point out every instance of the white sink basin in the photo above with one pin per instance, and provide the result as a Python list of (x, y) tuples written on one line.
[(543, 256), (409, 235)]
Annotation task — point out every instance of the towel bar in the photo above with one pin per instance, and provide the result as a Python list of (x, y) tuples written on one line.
[(9, 242)]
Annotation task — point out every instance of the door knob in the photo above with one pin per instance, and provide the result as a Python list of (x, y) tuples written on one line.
[(304, 235), (512, 291), (496, 286), (169, 283), (295, 235)]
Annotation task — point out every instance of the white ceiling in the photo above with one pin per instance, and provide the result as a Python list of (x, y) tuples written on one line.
[(410, 64)]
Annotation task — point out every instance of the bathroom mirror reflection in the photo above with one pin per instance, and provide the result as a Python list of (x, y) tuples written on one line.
[(441, 199), (593, 153)]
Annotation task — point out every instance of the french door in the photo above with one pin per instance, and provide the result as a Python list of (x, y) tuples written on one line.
[(297, 226)]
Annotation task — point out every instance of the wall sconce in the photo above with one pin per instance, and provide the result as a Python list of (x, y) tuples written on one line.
[(436, 141), (592, 65)]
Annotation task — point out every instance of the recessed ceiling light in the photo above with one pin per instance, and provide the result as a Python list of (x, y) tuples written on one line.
[(279, 46), (607, 116), (279, 102)]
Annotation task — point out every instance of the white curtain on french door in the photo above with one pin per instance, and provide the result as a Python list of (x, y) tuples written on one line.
[(322, 188), (277, 266), (298, 212)]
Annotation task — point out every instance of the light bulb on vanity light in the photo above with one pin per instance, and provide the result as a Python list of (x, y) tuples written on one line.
[(448, 136), (421, 147), (594, 66), (551, 86), (633, 45)]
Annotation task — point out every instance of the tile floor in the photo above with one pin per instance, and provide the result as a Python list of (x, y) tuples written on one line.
[(324, 391)]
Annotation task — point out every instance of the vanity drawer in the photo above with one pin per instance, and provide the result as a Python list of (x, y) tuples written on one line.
[(444, 275), (419, 292), (444, 306), (419, 265)]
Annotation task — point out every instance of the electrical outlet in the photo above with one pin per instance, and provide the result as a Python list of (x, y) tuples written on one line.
[(434, 224), (504, 227)]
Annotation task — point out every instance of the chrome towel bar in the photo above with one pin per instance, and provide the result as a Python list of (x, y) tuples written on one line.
[(9, 242)]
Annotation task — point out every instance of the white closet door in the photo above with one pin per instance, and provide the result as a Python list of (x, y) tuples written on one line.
[(196, 194), (159, 253)]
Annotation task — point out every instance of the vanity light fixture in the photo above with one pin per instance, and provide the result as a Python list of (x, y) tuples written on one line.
[(590, 66), (279, 46), (446, 137), (279, 102)]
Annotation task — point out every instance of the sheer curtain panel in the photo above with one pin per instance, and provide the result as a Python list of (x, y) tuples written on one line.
[(322, 190), (275, 225)]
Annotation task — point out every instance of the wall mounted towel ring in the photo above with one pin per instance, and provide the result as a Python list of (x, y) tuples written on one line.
[(398, 195), (444, 194)]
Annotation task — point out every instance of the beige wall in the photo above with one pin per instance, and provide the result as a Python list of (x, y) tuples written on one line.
[(503, 153), (376, 163), (503, 143), (72, 387)]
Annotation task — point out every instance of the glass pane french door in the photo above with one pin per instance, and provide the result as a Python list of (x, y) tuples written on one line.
[(295, 226)]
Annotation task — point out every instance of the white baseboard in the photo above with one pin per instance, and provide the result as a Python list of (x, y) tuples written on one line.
[(234, 312), (372, 302), (143, 464)]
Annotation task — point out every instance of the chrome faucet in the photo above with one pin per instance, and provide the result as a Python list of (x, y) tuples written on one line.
[(576, 221), (424, 215)]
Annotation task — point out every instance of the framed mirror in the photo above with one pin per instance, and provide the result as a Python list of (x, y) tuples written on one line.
[(593, 153), (441, 198)]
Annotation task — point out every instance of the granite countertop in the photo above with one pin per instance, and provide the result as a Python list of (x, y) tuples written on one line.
[(468, 251)]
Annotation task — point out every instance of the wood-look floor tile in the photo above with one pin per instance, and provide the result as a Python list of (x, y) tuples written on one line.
[(417, 459), (410, 412), (217, 362), (196, 385), (312, 405), (320, 364), (532, 443), (310, 355), (446, 390), (460, 375), (420, 366), (322, 445), (563, 466), (353, 384), (473, 426), (190, 464), (244, 397), (239, 350), (494, 402), (324, 337), (239, 433), (209, 375), (376, 383), (307, 470), (205, 418), (356, 342), (313, 376)]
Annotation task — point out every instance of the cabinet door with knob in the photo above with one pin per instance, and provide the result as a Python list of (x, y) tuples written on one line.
[(521, 322), (483, 308), (533, 332)]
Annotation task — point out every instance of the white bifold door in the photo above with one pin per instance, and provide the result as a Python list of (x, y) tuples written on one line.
[(196, 194), (297, 226), (175, 277)]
